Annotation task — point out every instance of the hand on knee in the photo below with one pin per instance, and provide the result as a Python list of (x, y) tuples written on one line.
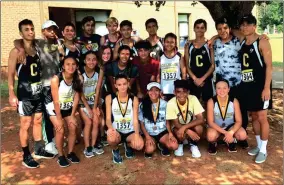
[(149, 149)]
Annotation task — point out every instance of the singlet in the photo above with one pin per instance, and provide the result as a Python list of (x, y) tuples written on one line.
[(123, 124), (89, 86), (253, 65), (199, 60), (134, 52), (66, 93), (74, 54), (29, 79), (229, 117), (170, 71), (109, 43), (160, 126), (227, 63), (157, 49)]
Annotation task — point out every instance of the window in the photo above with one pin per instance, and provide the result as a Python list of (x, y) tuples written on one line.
[(183, 27), (100, 16)]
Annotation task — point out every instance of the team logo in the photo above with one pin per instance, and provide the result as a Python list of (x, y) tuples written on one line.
[(152, 54), (251, 50), (203, 52)]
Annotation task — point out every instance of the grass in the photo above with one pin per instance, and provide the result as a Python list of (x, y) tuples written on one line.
[(277, 64), (4, 88)]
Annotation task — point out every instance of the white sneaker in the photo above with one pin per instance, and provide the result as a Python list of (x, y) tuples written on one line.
[(179, 151), (50, 148), (195, 151)]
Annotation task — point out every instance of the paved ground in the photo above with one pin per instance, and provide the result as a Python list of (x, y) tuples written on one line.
[(277, 79)]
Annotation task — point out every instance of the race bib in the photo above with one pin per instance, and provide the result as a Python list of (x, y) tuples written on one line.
[(247, 75), (169, 76), (123, 124), (66, 104), (90, 97), (36, 88)]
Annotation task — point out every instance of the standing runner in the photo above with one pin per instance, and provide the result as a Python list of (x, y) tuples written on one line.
[(256, 84), (172, 66), (92, 82), (152, 117), (185, 114), (122, 120), (65, 88), (29, 92), (199, 64), (156, 41), (125, 31), (112, 37)]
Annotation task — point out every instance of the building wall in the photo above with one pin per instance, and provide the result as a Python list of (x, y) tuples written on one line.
[(14, 11)]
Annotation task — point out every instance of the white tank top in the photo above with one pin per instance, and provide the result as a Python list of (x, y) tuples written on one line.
[(89, 87), (229, 117), (66, 94), (123, 124), (170, 71), (160, 126)]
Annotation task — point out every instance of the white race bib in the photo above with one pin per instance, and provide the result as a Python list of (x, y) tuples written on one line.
[(247, 75), (36, 88), (123, 124)]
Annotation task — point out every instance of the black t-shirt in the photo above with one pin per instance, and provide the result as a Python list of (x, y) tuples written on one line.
[(112, 69), (94, 40)]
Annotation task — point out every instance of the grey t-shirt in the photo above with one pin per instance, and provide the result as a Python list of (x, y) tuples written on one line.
[(49, 58)]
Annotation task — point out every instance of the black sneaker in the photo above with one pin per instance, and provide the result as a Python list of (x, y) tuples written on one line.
[(221, 142), (29, 162), (212, 148), (43, 154), (148, 156), (116, 157), (232, 147), (104, 141), (243, 144), (164, 150), (62, 161), (73, 158), (129, 153)]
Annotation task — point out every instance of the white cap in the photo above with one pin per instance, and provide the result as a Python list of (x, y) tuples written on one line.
[(48, 24), (153, 84)]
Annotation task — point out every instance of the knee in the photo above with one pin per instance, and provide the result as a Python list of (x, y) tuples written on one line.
[(173, 146), (25, 125), (211, 136), (95, 123), (262, 118), (37, 120), (138, 146), (240, 136), (149, 149), (113, 139), (72, 129), (199, 129)]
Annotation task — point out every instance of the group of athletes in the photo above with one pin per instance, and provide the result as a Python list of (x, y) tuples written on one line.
[(143, 94)]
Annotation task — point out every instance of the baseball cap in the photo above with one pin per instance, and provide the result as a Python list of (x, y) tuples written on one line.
[(153, 84), (181, 84), (250, 19), (48, 24)]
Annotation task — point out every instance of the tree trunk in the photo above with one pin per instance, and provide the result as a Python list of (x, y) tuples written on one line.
[(233, 10)]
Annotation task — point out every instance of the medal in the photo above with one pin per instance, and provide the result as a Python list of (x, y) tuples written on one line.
[(223, 107), (183, 110), (156, 112), (154, 127), (123, 111)]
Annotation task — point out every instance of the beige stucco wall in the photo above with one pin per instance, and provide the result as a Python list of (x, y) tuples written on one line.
[(14, 11)]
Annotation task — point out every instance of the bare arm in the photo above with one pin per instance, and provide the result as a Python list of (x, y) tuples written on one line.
[(198, 121), (98, 87), (135, 115), (142, 126), (55, 96), (102, 41), (75, 103), (108, 112), (169, 129), (266, 52), (210, 117), (238, 34), (238, 116), (115, 51), (183, 68), (212, 67), (12, 62)]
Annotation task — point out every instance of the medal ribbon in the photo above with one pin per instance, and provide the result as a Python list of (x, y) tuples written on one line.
[(156, 112), (183, 113), (123, 111), (223, 111)]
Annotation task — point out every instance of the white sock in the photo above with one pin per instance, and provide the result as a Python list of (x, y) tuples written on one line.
[(263, 146), (258, 141)]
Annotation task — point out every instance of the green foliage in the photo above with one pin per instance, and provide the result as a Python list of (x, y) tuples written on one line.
[(271, 14)]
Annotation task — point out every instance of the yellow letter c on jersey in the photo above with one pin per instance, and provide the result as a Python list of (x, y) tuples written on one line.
[(33, 73), (244, 60), (199, 64)]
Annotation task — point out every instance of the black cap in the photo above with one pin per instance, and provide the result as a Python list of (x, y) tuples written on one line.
[(181, 84), (250, 19)]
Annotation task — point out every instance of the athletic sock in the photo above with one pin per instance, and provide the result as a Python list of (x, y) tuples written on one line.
[(26, 151), (38, 145), (263, 146), (258, 141)]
